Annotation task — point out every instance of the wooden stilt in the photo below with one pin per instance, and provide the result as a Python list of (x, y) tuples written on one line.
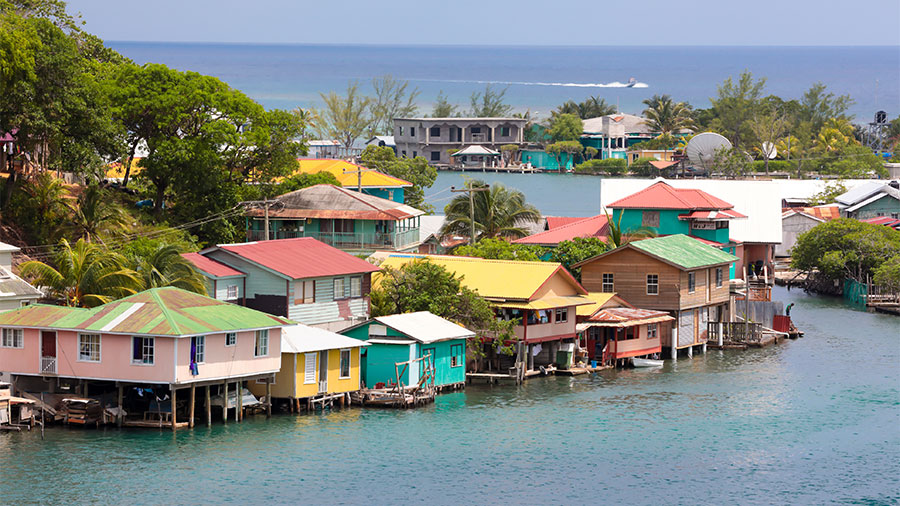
[(192, 405), (119, 403), (174, 411), (239, 392), (268, 397), (208, 408), (225, 403), (84, 389)]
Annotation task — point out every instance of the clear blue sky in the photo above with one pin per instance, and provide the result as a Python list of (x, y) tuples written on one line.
[(526, 22)]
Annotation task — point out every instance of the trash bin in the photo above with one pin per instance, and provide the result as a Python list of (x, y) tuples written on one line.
[(565, 355)]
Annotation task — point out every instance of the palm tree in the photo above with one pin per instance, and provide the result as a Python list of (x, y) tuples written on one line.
[(666, 116), (499, 212), (616, 237), (85, 275), (95, 213), (166, 267)]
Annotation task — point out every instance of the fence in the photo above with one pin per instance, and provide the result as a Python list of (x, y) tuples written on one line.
[(735, 332)]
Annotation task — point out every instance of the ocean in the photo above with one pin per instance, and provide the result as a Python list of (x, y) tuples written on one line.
[(537, 78)]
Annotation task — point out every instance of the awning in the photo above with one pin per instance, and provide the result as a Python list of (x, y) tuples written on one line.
[(580, 327), (547, 302)]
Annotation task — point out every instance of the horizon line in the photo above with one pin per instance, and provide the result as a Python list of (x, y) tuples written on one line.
[(523, 46)]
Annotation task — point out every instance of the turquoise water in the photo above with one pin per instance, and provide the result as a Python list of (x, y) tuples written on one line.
[(811, 421)]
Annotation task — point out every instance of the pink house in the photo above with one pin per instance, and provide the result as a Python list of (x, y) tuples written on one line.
[(155, 342)]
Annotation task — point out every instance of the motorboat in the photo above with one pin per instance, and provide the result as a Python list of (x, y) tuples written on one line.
[(646, 362)]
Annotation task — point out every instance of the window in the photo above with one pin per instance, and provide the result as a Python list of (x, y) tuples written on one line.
[(338, 288), (650, 218), (309, 368), (305, 292), (13, 338), (404, 151), (262, 343), (198, 349), (562, 315), (415, 154), (476, 130), (718, 277), (652, 331), (435, 156), (504, 131), (401, 133), (652, 284), (356, 286), (692, 282), (231, 339), (630, 333), (412, 132), (456, 355), (142, 350), (608, 284), (231, 292), (88, 347), (435, 131), (337, 226), (345, 364)]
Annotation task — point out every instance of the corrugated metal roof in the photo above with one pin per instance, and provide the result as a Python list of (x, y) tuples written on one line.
[(623, 314), (303, 339), (548, 302), (725, 214), (342, 171), (164, 311), (300, 258), (683, 251), (211, 267), (661, 195), (595, 226), (495, 279), (558, 221), (329, 201), (599, 300), (425, 327), (15, 287)]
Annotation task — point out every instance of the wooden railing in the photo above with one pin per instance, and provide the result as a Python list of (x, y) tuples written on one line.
[(734, 332)]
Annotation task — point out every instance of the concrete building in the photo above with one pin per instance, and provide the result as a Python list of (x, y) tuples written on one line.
[(436, 138)]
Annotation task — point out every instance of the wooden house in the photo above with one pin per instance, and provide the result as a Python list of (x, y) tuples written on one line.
[(540, 296), (303, 279), (162, 339), (340, 217), (317, 366), (222, 282), (403, 338), (675, 273), (612, 330)]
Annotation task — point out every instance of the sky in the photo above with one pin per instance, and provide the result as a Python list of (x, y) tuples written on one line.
[(497, 22)]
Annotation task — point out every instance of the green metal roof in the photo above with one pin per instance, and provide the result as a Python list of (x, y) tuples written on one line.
[(683, 251), (164, 311)]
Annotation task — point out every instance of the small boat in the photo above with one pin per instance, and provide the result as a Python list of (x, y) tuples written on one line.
[(631, 83), (646, 362)]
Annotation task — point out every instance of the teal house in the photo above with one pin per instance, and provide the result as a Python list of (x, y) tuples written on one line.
[(666, 210), (340, 217), (400, 338)]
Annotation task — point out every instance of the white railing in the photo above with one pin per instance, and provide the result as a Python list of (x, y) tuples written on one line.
[(48, 365), (323, 386)]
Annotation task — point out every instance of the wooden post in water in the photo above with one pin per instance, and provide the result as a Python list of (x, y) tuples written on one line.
[(192, 405), (208, 408), (172, 400), (268, 397), (119, 414), (674, 342), (240, 401), (225, 402)]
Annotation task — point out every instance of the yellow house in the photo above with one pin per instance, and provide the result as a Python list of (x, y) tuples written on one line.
[(317, 366)]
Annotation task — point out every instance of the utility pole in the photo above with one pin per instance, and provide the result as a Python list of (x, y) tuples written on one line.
[(265, 205), (471, 191), (359, 173)]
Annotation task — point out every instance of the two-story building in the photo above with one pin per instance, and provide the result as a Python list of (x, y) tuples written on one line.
[(140, 349), (436, 139), (14, 291), (303, 279), (540, 296), (677, 274), (613, 331), (340, 217)]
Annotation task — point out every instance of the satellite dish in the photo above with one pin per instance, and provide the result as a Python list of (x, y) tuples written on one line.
[(769, 150), (701, 149)]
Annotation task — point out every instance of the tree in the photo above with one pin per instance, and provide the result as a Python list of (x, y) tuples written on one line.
[(830, 192), (564, 152), (571, 252), (40, 208), (731, 162), (818, 106), (500, 249), (345, 118), (734, 106), (642, 167), (392, 100), (499, 212), (845, 248), (509, 152), (415, 170), (591, 107), (443, 108), (166, 267), (489, 104), (617, 237), (887, 275), (768, 129), (85, 275), (566, 127), (590, 152), (666, 116), (424, 286), (96, 214)]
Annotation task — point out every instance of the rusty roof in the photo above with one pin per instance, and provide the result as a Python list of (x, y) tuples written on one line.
[(329, 201), (634, 316)]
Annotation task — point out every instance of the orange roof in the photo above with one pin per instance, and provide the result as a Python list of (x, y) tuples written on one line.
[(558, 221), (595, 226), (343, 171), (661, 195), (823, 213)]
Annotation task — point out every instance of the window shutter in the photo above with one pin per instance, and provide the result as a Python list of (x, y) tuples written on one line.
[(309, 369)]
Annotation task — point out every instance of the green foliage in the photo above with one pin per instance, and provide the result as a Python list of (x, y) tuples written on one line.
[(566, 127), (415, 170), (96, 214), (500, 249), (346, 117), (661, 141), (443, 108), (40, 208), (424, 286), (731, 162), (666, 116), (611, 166), (591, 107), (564, 152), (830, 192), (887, 275), (845, 248), (499, 212), (303, 180), (571, 252), (818, 106), (641, 167), (392, 100), (164, 266), (509, 152), (735, 104), (489, 104)]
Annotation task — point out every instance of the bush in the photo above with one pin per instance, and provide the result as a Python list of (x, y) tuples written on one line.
[(611, 166), (642, 167)]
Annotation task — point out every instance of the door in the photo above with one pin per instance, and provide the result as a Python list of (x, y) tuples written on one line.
[(48, 352), (427, 364), (323, 371)]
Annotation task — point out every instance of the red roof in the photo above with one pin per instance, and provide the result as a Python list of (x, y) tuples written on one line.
[(663, 196), (211, 267), (595, 226), (299, 258), (725, 214), (883, 220), (558, 221)]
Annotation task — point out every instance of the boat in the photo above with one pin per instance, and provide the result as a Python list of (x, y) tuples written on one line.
[(631, 83), (646, 362)]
